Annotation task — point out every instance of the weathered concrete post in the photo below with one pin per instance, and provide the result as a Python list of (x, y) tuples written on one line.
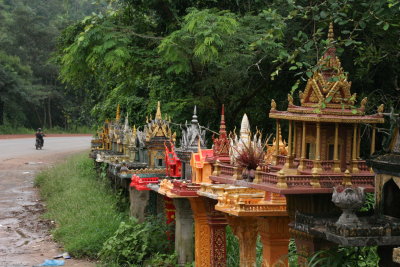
[(184, 231), (138, 202)]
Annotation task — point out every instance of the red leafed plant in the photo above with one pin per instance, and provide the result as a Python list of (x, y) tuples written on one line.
[(249, 156)]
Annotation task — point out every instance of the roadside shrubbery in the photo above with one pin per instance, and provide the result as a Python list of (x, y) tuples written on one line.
[(91, 220), (83, 207), (140, 244)]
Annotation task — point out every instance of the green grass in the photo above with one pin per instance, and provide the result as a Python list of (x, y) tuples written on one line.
[(8, 129), (83, 206)]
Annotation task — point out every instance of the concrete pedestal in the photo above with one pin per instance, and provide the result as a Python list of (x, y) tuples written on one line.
[(138, 202), (183, 231)]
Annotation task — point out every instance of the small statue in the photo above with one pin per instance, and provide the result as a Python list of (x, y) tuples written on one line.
[(301, 96), (380, 109), (364, 103), (290, 99), (352, 99), (273, 105)]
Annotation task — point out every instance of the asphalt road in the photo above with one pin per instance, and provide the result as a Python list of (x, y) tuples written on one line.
[(25, 238)]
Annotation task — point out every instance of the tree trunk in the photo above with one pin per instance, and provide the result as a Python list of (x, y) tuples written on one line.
[(44, 114), (38, 116), (49, 111), (1, 112)]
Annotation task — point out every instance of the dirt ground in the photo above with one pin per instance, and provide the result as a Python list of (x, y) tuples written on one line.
[(25, 238)]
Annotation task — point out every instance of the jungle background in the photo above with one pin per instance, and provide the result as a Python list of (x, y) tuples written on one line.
[(68, 63)]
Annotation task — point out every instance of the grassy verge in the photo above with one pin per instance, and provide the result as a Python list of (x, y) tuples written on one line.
[(83, 206), (8, 129)]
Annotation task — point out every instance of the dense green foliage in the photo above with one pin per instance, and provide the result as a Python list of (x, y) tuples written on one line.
[(83, 207), (345, 257), (139, 244), (240, 53), (30, 93)]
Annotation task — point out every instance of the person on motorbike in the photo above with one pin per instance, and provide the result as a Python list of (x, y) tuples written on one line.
[(39, 136)]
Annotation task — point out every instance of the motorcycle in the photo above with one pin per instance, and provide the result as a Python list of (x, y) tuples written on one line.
[(39, 143)]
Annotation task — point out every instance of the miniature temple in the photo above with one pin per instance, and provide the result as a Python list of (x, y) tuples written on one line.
[(309, 188), (250, 212), (192, 136), (323, 147), (158, 135)]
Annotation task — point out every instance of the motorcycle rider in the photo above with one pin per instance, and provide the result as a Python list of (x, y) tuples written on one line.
[(40, 135)]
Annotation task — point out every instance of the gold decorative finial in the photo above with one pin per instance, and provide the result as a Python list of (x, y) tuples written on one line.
[(290, 99), (118, 115), (381, 108), (158, 114), (353, 99), (273, 105), (364, 103), (330, 33), (301, 96)]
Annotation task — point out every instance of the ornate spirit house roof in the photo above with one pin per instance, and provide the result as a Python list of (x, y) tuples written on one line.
[(192, 134), (159, 127), (221, 144), (327, 96)]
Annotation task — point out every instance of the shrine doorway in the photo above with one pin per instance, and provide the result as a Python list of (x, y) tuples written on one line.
[(391, 196)]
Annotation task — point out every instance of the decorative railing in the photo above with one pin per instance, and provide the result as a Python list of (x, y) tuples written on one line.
[(226, 170), (185, 189), (264, 167), (363, 179), (298, 180), (308, 164), (268, 178), (327, 165), (281, 160), (330, 180), (260, 207), (268, 175), (362, 166)]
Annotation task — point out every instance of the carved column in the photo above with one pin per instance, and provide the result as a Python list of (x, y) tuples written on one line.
[(217, 223), (358, 142), (289, 160), (277, 143), (183, 231), (274, 232), (290, 139), (294, 140), (138, 202), (210, 237), (336, 162), (202, 233), (303, 147), (372, 150), (245, 229), (317, 162), (354, 162)]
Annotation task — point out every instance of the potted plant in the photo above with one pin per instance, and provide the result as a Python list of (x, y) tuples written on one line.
[(249, 156)]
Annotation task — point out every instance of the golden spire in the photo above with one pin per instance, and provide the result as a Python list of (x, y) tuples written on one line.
[(330, 33), (118, 115), (158, 114)]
